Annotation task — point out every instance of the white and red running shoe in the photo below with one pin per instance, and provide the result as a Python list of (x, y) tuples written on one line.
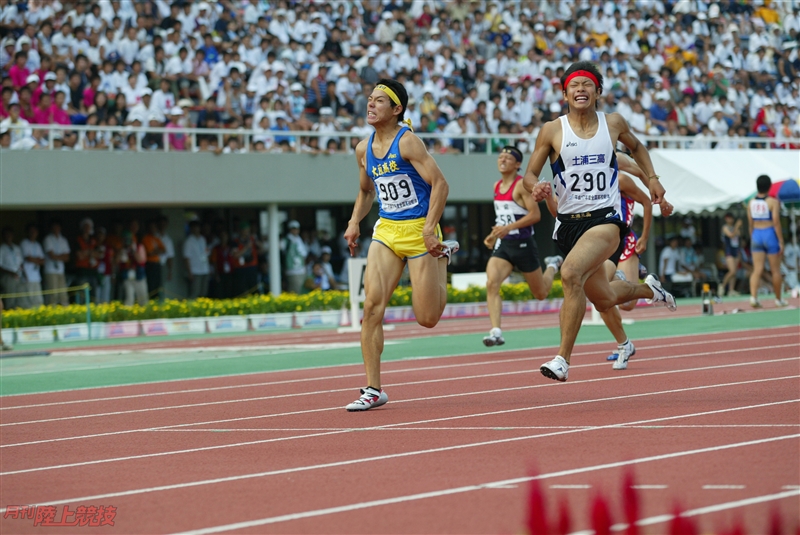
[(370, 398)]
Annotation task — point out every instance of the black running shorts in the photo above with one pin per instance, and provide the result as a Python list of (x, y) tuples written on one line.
[(521, 253), (573, 226)]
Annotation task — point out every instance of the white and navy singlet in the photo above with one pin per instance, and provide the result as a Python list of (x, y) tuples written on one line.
[(586, 172), (507, 211)]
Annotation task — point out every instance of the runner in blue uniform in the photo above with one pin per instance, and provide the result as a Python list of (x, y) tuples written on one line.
[(394, 164), (766, 241)]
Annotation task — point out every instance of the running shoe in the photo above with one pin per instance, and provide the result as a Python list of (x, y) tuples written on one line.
[(493, 340), (660, 295), (620, 275), (554, 261), (624, 352), (557, 369), (370, 398), (754, 302), (781, 303), (7, 347), (615, 356), (450, 248), (642, 271)]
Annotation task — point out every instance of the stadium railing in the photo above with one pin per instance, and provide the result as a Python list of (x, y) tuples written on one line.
[(482, 142)]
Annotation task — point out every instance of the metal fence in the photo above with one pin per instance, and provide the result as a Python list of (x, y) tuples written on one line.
[(118, 138)]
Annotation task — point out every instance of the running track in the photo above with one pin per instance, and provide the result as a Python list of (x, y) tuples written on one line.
[(710, 420)]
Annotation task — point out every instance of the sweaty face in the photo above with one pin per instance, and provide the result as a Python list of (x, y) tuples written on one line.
[(581, 93), (380, 107)]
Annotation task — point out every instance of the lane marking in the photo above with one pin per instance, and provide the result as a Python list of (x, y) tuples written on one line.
[(426, 381), (723, 487), (570, 487), (507, 411), (497, 441), (312, 368), (649, 487), (791, 487), (660, 519), (475, 428), (516, 481), (387, 371)]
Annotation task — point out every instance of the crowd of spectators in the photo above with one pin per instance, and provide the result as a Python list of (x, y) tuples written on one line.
[(132, 263), (703, 68)]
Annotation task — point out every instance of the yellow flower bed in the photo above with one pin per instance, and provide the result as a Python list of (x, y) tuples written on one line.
[(254, 304)]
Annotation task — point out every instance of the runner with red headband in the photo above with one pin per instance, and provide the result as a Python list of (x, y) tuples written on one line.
[(589, 227)]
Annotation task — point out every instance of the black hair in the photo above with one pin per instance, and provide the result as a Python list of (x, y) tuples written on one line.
[(400, 91), (31, 225), (763, 183), (583, 66)]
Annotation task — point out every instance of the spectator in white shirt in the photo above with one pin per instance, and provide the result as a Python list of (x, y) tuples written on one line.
[(195, 252), (163, 99), (33, 256), (128, 47), (11, 279), (669, 260), (56, 250)]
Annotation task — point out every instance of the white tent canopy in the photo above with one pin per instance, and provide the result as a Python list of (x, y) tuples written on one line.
[(707, 180)]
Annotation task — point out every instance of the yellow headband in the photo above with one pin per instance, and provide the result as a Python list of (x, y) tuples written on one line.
[(393, 96), (389, 92)]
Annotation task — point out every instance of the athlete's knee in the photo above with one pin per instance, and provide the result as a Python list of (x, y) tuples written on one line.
[(373, 309), (492, 286), (539, 293), (571, 277), (630, 305), (429, 320)]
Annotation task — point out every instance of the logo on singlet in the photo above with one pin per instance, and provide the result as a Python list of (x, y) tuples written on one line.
[(572, 143)]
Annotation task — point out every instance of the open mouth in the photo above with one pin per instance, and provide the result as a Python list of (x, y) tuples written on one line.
[(582, 98)]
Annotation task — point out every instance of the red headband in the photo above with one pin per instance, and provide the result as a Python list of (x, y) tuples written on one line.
[(587, 74)]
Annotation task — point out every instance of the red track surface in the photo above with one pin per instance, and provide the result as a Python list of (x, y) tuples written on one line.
[(287, 447)]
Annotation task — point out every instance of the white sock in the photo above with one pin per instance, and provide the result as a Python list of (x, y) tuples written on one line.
[(496, 332), (625, 343), (554, 266)]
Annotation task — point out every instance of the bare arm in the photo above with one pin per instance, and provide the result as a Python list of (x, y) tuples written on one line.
[(541, 151), (749, 218), (413, 150), (364, 199), (531, 218), (640, 155), (632, 191)]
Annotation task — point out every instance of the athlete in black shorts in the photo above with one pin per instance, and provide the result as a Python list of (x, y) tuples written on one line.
[(513, 242)]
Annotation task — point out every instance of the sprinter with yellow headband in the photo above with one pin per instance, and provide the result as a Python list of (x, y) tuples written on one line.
[(394, 164)]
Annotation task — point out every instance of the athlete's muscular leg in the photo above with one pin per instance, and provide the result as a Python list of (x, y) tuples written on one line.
[(384, 269), (611, 317), (585, 259), (630, 267), (497, 270), (759, 260), (777, 276), (428, 288), (540, 283)]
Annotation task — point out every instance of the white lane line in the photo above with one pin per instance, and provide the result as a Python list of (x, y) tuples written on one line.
[(649, 487), (471, 488), (386, 371), (308, 411), (660, 519), (461, 428), (399, 361), (305, 394), (723, 487), (790, 487), (570, 487), (512, 439)]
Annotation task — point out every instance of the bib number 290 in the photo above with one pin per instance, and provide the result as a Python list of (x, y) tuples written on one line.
[(589, 182)]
